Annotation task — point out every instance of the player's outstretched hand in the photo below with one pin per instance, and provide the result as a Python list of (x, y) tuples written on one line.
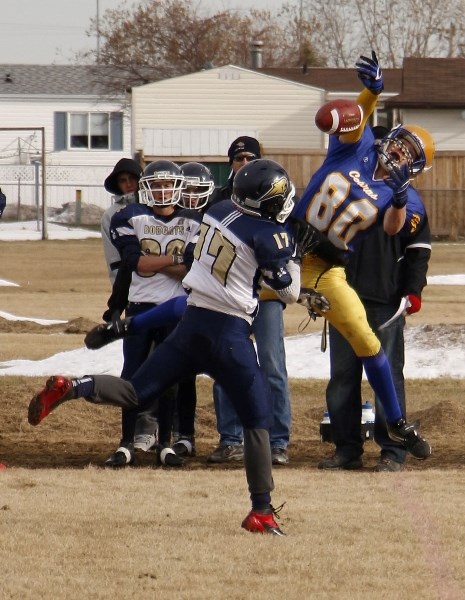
[(370, 74), (315, 303), (104, 334)]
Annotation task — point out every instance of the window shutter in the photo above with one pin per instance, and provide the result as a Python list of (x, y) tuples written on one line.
[(116, 130), (60, 132)]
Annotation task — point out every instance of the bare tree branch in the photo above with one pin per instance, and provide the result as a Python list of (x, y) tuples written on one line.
[(157, 39)]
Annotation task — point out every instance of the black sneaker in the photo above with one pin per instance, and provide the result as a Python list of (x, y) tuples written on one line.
[(339, 461), (123, 457), (388, 465), (279, 456), (184, 446), (167, 457), (224, 454), (408, 435)]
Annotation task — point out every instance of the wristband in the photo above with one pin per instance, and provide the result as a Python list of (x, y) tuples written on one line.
[(399, 200), (178, 259)]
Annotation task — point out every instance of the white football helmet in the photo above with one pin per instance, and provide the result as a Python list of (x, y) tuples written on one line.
[(161, 183), (199, 185)]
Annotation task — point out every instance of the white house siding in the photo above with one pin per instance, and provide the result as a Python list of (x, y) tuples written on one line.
[(66, 171), (225, 102), (195, 141), (446, 126)]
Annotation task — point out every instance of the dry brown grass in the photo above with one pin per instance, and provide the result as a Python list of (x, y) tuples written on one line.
[(70, 529), (100, 534)]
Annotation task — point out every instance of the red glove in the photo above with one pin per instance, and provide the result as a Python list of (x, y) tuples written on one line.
[(415, 304)]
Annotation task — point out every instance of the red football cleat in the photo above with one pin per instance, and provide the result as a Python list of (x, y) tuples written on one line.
[(263, 521), (57, 389)]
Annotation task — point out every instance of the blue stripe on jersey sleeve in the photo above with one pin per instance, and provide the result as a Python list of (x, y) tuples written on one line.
[(269, 240)]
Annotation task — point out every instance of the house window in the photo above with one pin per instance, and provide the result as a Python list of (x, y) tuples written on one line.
[(384, 117), (88, 131)]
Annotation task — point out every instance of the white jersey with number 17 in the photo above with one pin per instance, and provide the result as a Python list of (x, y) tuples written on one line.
[(232, 252)]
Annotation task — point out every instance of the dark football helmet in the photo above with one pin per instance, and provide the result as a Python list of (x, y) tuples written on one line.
[(199, 185), (262, 188), (414, 142), (161, 183)]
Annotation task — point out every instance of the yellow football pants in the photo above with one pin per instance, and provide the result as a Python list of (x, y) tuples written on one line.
[(347, 313)]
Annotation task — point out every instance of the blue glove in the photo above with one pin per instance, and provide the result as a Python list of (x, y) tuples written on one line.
[(370, 74), (399, 181)]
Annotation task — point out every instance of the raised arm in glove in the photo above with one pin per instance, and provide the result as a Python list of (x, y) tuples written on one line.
[(370, 74)]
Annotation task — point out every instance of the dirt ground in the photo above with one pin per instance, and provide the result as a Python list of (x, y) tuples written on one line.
[(67, 280)]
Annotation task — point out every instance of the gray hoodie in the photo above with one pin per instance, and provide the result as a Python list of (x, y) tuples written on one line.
[(125, 165)]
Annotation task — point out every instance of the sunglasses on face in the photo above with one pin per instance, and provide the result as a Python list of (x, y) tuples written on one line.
[(247, 157)]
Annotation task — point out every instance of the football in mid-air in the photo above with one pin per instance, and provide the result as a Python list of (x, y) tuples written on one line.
[(339, 116)]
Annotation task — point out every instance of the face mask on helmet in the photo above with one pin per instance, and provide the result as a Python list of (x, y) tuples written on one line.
[(411, 142), (161, 183), (287, 207), (199, 185), (262, 188)]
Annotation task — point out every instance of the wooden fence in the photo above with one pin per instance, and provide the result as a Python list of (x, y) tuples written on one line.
[(442, 188)]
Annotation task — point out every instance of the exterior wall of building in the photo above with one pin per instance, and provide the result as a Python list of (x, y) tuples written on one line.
[(447, 126), (66, 170), (198, 115)]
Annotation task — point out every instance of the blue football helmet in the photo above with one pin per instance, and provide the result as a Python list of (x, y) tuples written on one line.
[(262, 188)]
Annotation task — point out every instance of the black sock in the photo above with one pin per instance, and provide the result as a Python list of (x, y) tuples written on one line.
[(261, 502), (83, 387)]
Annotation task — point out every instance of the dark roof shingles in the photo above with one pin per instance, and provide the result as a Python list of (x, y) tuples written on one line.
[(334, 79), (432, 83), (422, 82), (73, 80)]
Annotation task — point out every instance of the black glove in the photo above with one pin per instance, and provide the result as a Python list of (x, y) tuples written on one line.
[(108, 332), (370, 74), (109, 314), (304, 236), (315, 303), (308, 240), (398, 181)]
